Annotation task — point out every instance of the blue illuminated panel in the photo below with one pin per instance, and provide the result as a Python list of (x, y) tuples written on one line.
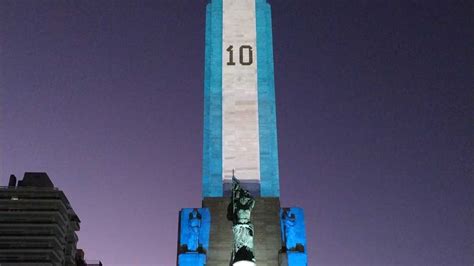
[(212, 146), (194, 230), (195, 226), (297, 259), (269, 174), (293, 235), (191, 259)]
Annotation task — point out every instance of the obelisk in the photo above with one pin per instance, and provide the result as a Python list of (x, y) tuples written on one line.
[(240, 138), (239, 97)]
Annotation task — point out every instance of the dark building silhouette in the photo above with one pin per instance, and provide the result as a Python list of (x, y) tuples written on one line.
[(93, 263), (80, 261), (80, 258), (37, 224)]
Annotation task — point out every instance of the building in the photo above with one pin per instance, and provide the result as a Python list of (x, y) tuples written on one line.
[(241, 221), (93, 263), (80, 261), (37, 224)]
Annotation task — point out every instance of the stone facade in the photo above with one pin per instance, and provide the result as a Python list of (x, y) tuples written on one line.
[(240, 134)]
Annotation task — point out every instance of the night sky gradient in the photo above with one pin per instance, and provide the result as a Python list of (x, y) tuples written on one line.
[(375, 122)]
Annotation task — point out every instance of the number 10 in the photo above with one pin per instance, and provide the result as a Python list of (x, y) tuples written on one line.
[(241, 55)]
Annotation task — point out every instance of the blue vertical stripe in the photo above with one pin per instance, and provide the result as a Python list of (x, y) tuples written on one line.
[(212, 146), (206, 171), (269, 173)]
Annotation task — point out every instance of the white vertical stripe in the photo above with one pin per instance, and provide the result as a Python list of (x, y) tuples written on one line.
[(240, 134)]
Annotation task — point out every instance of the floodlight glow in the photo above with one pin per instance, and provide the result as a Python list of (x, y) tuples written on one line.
[(244, 263)]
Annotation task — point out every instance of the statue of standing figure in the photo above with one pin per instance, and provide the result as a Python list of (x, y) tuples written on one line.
[(194, 225), (239, 212), (289, 222), (293, 238)]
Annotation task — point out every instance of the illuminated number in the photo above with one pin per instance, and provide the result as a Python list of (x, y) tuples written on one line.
[(250, 58), (231, 56)]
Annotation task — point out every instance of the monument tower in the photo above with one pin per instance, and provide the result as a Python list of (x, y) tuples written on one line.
[(241, 221)]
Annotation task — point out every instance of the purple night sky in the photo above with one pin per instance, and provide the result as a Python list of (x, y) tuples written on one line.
[(374, 103)]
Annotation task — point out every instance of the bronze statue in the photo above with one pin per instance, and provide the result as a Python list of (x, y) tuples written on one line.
[(239, 212)]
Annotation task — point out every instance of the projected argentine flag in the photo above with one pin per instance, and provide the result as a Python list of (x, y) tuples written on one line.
[(239, 106)]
